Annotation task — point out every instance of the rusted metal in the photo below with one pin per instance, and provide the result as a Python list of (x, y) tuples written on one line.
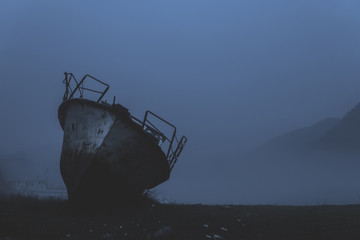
[(79, 88), (106, 152)]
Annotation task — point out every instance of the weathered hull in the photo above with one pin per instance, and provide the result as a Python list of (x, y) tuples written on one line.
[(105, 155)]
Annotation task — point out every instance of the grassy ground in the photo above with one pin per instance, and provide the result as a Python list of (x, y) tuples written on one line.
[(23, 218)]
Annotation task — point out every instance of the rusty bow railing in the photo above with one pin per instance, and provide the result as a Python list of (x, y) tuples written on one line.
[(73, 87), (79, 88)]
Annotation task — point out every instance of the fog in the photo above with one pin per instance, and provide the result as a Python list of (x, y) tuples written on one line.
[(231, 75)]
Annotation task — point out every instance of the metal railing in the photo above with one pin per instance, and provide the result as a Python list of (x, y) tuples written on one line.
[(175, 145), (79, 86), (73, 86)]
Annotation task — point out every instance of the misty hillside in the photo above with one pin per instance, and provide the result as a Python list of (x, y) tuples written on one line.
[(330, 135), (345, 136), (3, 185), (319, 163), (27, 164), (299, 140)]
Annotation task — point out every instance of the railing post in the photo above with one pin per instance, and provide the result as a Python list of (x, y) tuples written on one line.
[(171, 142), (102, 95), (145, 116), (66, 81)]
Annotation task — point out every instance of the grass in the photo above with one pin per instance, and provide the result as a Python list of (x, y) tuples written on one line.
[(29, 218)]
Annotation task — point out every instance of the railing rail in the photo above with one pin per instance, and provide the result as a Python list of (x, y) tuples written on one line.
[(79, 86), (175, 146)]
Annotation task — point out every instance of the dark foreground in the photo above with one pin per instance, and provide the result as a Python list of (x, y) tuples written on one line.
[(22, 218)]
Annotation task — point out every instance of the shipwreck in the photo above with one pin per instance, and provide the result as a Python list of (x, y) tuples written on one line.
[(108, 154)]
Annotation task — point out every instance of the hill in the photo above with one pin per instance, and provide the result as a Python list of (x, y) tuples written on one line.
[(27, 164), (299, 140), (345, 135), (328, 136), (3, 185)]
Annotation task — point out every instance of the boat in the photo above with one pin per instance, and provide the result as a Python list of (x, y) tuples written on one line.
[(108, 154)]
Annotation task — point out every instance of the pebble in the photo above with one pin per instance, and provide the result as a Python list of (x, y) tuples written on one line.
[(107, 236), (164, 231)]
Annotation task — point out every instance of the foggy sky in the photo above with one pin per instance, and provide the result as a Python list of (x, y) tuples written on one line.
[(229, 74)]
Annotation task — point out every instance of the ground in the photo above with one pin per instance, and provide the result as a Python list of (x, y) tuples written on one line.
[(24, 218)]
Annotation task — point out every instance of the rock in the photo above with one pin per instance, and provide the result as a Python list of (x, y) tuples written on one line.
[(162, 232), (107, 236)]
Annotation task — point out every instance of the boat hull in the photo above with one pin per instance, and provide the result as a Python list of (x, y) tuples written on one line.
[(105, 155)]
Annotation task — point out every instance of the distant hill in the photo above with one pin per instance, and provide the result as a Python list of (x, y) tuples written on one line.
[(3, 185), (344, 136), (330, 135), (301, 139), (27, 164)]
